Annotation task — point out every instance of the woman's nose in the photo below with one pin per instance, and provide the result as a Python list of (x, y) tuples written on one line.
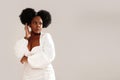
[(38, 24)]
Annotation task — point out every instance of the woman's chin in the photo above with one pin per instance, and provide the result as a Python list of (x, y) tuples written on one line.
[(36, 32)]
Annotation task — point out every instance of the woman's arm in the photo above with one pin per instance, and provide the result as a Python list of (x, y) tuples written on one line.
[(21, 48)]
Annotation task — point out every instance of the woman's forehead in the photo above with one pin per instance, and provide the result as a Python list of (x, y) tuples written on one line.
[(37, 18)]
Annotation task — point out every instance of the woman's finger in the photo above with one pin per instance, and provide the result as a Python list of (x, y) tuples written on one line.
[(27, 31)]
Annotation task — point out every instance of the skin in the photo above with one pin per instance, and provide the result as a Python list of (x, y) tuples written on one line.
[(33, 36)]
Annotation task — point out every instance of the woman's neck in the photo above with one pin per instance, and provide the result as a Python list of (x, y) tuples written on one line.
[(35, 34)]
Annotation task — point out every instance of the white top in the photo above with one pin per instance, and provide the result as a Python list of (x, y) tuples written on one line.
[(39, 58)]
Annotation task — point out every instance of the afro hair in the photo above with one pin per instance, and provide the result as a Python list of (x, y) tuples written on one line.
[(46, 17), (28, 14)]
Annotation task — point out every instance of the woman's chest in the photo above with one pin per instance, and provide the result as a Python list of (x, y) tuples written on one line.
[(33, 43)]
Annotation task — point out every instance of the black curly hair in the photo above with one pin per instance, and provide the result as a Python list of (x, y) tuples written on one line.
[(28, 14)]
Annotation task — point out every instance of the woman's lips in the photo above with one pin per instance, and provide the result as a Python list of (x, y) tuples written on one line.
[(37, 29)]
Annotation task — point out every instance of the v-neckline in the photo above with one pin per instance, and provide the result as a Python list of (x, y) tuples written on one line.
[(33, 48), (40, 39)]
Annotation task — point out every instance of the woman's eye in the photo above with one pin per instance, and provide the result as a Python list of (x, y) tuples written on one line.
[(37, 23), (34, 22)]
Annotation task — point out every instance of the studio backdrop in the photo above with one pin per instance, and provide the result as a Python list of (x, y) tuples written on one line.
[(86, 34)]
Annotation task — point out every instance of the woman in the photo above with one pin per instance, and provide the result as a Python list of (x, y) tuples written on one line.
[(36, 50)]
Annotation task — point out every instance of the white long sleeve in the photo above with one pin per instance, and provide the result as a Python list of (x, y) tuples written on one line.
[(21, 48), (45, 53)]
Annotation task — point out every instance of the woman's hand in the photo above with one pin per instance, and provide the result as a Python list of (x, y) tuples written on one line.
[(24, 59), (27, 32)]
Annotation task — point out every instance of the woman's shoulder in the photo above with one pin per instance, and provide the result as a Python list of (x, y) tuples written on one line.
[(45, 34), (21, 41)]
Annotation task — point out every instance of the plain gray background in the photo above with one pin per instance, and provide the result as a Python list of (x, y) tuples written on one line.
[(86, 34)]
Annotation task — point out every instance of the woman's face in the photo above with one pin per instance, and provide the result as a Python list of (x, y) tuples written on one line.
[(36, 24)]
